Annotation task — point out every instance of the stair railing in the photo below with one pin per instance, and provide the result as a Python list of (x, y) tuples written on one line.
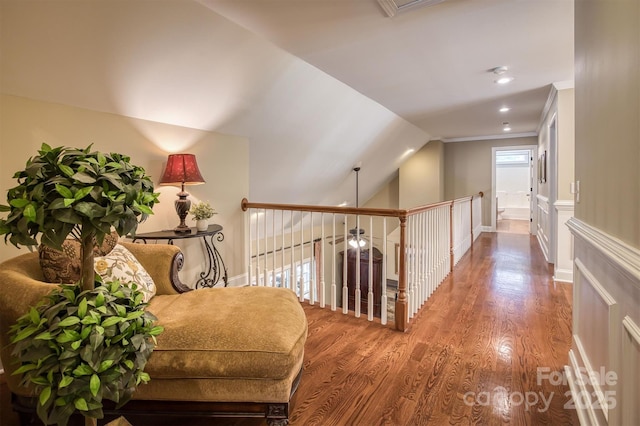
[(308, 249)]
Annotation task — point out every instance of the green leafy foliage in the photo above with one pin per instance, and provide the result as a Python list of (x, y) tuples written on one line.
[(64, 190), (202, 210), (78, 347)]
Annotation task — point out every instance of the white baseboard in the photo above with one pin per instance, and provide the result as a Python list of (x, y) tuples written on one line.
[(563, 275), (238, 281), (485, 228)]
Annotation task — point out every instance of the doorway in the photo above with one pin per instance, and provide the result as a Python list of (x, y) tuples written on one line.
[(513, 187)]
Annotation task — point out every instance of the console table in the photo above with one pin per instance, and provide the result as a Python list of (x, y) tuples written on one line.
[(215, 268)]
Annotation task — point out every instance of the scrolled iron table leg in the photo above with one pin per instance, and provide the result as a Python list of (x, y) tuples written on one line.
[(215, 268)]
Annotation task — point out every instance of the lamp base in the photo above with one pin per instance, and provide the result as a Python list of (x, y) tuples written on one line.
[(182, 204), (181, 229)]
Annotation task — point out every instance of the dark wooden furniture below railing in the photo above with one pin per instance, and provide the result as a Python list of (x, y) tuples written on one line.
[(376, 267)]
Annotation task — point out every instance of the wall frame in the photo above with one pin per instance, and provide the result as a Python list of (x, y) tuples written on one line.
[(542, 167)]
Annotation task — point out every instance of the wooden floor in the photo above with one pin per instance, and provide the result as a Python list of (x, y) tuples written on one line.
[(471, 356), (512, 226)]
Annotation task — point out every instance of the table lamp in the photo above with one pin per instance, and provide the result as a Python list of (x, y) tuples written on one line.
[(182, 169)]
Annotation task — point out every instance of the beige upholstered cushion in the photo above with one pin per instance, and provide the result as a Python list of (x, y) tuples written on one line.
[(226, 344), (64, 266), (234, 333), (121, 265)]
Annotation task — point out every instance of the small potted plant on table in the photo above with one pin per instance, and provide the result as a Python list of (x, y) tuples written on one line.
[(202, 212)]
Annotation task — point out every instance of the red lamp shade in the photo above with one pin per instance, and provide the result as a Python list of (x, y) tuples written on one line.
[(181, 169)]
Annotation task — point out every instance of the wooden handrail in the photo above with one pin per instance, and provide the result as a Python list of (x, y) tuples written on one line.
[(364, 211), (421, 209), (245, 204)]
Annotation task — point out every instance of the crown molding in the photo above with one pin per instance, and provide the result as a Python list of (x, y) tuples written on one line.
[(489, 137)]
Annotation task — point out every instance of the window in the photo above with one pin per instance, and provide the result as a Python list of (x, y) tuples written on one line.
[(512, 158)]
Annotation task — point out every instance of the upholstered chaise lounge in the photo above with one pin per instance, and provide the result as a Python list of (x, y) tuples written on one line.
[(224, 351)]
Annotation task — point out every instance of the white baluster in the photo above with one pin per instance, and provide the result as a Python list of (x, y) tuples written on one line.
[(282, 280), (292, 264), (258, 271), (410, 271), (345, 289), (383, 301), (273, 252), (333, 264), (301, 278), (414, 265), (356, 300), (250, 245), (370, 294), (423, 257), (312, 264), (321, 290)]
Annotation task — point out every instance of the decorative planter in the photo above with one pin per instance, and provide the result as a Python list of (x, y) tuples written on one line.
[(202, 225)]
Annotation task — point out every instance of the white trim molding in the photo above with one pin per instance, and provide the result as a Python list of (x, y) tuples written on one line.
[(489, 137), (563, 270), (618, 253)]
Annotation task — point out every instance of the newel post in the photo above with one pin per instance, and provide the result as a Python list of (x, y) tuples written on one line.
[(401, 302)]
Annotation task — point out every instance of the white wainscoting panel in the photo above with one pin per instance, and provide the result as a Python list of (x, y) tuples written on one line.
[(595, 329), (563, 270), (606, 336), (629, 412), (543, 225)]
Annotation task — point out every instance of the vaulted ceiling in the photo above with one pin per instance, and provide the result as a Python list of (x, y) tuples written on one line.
[(315, 85), (430, 65)]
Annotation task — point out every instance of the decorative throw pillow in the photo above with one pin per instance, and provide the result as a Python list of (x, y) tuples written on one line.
[(122, 265), (64, 266)]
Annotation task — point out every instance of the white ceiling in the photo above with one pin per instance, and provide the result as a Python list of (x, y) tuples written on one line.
[(315, 85), (430, 65)]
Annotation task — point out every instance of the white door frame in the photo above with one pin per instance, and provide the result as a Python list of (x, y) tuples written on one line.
[(533, 199), (552, 182)]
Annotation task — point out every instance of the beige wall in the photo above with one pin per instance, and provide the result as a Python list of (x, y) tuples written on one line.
[(467, 169), (387, 197), (421, 177), (223, 161), (566, 143), (563, 109), (607, 96)]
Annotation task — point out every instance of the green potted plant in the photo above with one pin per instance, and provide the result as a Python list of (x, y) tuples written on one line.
[(76, 347), (201, 212)]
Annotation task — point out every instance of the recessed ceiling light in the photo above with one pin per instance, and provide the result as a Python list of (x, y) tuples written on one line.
[(504, 109), (500, 70), (504, 80), (506, 127)]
